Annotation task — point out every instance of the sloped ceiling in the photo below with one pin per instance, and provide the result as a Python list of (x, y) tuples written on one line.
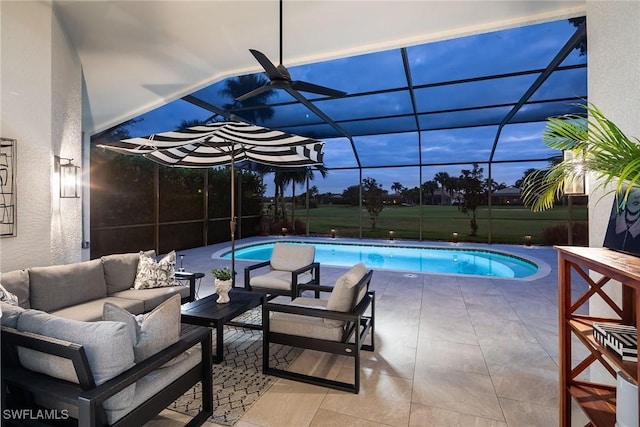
[(139, 55)]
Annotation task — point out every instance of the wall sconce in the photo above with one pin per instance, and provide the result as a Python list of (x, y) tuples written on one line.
[(391, 235), (527, 240), (69, 178), (333, 233), (454, 237), (284, 231), (575, 186)]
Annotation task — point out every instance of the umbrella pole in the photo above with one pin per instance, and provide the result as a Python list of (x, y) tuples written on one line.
[(232, 223)]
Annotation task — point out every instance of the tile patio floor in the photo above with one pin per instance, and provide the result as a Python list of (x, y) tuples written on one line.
[(450, 351)]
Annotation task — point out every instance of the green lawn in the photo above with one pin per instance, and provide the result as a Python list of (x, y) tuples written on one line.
[(509, 225)]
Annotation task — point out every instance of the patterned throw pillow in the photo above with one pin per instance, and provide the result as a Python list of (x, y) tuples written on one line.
[(152, 274), (7, 296)]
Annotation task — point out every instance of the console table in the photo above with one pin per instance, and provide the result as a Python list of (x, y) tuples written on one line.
[(598, 401)]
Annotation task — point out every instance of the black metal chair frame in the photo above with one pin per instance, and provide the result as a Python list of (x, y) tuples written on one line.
[(19, 385), (358, 325), (314, 268)]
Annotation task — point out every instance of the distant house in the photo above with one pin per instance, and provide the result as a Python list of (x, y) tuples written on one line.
[(506, 196)]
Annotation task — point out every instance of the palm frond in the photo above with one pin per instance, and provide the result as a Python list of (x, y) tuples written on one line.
[(599, 147)]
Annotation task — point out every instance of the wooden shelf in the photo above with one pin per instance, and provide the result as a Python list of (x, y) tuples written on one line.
[(598, 405), (598, 401), (584, 327)]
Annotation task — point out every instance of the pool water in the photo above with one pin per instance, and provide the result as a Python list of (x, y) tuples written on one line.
[(475, 262)]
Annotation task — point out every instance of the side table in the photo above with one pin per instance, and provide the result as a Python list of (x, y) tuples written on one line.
[(194, 279)]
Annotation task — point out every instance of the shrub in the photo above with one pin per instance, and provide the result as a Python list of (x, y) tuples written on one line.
[(301, 226), (278, 225), (558, 235)]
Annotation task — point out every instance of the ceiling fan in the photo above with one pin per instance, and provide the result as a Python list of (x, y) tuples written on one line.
[(279, 77)]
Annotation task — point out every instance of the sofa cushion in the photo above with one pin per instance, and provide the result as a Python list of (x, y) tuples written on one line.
[(156, 381), (120, 270), (343, 294), (151, 298), (17, 282), (9, 314), (291, 257), (152, 274), (91, 311), (7, 297), (107, 345), (58, 286), (152, 332)]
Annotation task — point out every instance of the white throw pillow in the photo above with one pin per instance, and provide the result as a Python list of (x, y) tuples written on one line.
[(8, 297), (151, 332), (152, 274)]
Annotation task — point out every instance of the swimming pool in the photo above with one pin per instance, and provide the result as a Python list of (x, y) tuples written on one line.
[(477, 262)]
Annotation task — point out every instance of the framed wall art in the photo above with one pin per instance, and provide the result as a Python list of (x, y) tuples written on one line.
[(7, 187)]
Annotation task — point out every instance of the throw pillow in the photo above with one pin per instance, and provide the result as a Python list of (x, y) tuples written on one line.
[(8, 297), (152, 332), (152, 274)]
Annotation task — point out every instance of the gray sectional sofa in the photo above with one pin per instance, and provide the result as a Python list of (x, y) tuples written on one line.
[(58, 354), (78, 291)]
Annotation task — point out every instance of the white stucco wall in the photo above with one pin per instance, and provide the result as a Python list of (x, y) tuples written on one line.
[(614, 87), (40, 100), (614, 83)]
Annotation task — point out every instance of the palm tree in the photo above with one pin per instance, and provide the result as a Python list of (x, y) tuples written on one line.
[(444, 180), (430, 187), (597, 146), (190, 123), (242, 84), (397, 187), (283, 177), (525, 174)]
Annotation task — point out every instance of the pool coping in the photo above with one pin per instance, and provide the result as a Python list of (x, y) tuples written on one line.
[(518, 251)]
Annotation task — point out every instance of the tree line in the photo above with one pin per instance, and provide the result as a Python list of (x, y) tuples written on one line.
[(467, 191)]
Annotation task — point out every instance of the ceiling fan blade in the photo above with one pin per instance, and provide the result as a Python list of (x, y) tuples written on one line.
[(271, 70), (253, 93), (297, 95), (313, 88)]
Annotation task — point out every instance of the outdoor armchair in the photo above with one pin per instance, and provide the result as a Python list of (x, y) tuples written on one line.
[(289, 267), (337, 325)]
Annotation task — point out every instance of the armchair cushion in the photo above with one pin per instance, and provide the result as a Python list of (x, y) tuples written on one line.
[(152, 332), (275, 279), (120, 270), (305, 326), (343, 296), (291, 257)]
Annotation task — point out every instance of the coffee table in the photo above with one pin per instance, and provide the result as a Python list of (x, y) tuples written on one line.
[(207, 312)]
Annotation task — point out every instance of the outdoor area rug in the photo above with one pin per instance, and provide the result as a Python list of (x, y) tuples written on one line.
[(238, 381)]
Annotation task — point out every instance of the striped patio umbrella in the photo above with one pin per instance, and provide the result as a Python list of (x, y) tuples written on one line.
[(224, 143)]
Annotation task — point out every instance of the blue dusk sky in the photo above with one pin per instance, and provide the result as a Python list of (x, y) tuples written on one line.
[(458, 98)]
